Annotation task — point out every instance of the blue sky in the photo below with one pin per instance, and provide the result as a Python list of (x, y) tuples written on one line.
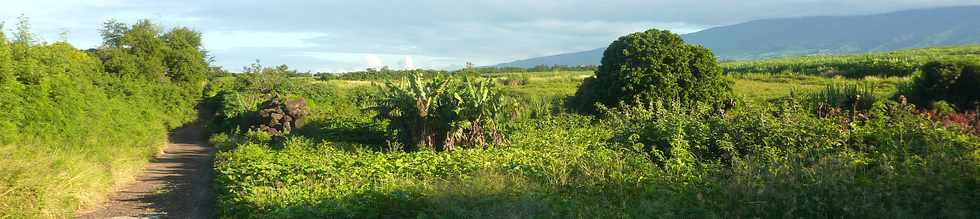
[(336, 36)]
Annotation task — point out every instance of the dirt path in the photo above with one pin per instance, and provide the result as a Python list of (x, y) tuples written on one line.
[(176, 184)]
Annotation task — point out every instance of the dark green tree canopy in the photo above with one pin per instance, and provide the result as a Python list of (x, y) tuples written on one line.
[(954, 80), (654, 65)]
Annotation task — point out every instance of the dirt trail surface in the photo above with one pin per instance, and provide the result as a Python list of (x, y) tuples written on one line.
[(176, 184)]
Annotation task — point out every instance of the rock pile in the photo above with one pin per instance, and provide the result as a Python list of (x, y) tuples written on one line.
[(278, 118)]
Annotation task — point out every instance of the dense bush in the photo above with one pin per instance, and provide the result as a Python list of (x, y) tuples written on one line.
[(443, 113), (795, 161), (654, 66), (703, 135), (956, 81), (76, 123)]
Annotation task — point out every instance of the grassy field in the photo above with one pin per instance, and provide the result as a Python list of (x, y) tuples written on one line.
[(901, 63), (761, 87), (560, 164)]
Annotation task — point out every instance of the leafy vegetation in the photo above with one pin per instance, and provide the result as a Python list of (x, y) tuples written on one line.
[(76, 123), (784, 143), (773, 155), (956, 81), (442, 113), (786, 146), (654, 66)]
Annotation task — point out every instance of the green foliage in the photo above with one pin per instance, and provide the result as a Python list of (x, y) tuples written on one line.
[(663, 133), (442, 113), (654, 66), (259, 79), (144, 51), (112, 33), (653, 160), (795, 161), (142, 41), (185, 60), (72, 130), (853, 98), (955, 80)]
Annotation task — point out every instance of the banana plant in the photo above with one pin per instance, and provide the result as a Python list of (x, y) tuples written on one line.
[(441, 113)]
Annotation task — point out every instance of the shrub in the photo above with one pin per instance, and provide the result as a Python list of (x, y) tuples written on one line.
[(955, 80), (654, 65), (259, 79), (670, 134), (442, 113), (74, 126)]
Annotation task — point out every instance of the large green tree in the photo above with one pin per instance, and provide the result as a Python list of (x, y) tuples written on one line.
[(142, 50), (654, 65), (143, 41), (186, 59)]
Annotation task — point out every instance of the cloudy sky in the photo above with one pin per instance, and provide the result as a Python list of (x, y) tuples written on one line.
[(352, 35)]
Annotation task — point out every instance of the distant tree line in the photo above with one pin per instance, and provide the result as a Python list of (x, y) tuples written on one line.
[(538, 68), (387, 73)]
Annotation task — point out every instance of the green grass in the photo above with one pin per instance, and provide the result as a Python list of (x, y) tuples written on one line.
[(899, 63), (763, 87)]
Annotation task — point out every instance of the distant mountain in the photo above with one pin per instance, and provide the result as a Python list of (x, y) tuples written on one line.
[(590, 57), (817, 35)]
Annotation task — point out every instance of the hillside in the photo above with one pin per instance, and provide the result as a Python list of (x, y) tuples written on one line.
[(817, 35)]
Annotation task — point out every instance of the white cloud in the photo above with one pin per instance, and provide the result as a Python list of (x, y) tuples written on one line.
[(373, 61), (341, 62), (602, 27), (408, 63), (221, 40)]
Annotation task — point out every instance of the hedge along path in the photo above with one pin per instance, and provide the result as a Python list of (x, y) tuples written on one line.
[(175, 184)]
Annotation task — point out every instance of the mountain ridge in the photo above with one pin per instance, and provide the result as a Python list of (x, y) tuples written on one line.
[(813, 35)]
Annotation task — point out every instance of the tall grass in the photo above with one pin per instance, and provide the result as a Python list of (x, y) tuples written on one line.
[(848, 97)]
